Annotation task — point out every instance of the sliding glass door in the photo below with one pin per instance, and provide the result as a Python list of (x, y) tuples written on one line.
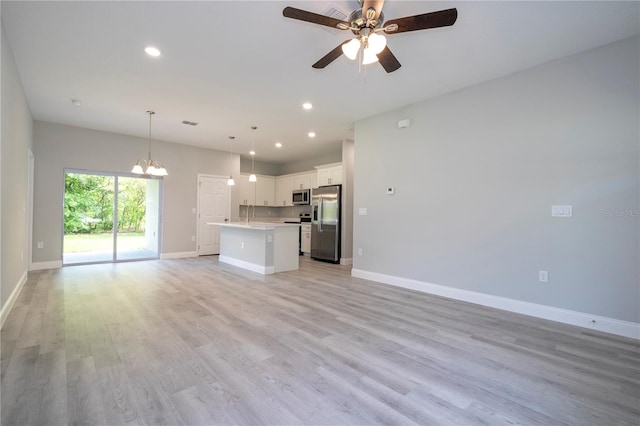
[(110, 217)]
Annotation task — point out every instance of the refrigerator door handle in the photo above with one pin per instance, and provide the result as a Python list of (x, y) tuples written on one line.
[(320, 214)]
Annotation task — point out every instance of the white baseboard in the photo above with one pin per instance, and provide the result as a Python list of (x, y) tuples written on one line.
[(346, 261), (38, 266), (581, 319), (4, 313), (264, 270), (179, 255)]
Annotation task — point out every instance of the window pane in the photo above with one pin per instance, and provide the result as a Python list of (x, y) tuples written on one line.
[(88, 218), (138, 207)]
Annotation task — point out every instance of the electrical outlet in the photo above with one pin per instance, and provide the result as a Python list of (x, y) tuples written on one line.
[(242, 244), (193, 237), (543, 276), (40, 244), (359, 252)]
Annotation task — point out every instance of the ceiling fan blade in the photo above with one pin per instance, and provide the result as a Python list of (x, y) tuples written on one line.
[(442, 18), (374, 4), (314, 18), (330, 57), (388, 60)]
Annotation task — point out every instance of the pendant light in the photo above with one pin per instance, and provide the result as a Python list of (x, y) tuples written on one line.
[(151, 167), (231, 182), (252, 176)]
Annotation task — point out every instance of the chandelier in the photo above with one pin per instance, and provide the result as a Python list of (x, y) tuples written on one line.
[(149, 166)]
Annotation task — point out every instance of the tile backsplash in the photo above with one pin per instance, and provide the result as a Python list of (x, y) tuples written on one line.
[(275, 212)]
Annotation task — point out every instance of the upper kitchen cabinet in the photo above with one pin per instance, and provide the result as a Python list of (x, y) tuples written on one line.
[(329, 174), (284, 188), (313, 179), (302, 181), (265, 191), (246, 190)]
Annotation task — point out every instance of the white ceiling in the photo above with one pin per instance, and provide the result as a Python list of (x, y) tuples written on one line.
[(231, 64)]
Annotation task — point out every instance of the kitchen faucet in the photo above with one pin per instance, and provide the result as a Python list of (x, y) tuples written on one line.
[(254, 212)]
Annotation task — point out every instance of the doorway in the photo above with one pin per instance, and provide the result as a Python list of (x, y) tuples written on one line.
[(110, 217), (213, 208)]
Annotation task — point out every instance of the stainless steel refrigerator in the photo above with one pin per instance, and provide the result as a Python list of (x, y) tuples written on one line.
[(325, 223)]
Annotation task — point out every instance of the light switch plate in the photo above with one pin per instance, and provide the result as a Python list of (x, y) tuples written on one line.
[(362, 211), (391, 190), (562, 211)]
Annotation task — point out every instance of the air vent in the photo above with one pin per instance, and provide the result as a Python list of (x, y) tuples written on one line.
[(335, 13), (189, 123)]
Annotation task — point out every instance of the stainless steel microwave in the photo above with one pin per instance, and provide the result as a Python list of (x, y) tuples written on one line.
[(301, 196)]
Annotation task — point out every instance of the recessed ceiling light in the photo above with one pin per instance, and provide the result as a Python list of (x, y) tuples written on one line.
[(307, 105), (152, 51), (252, 153), (278, 145), (312, 135)]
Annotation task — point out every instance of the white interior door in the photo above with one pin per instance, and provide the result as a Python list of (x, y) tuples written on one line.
[(212, 208)]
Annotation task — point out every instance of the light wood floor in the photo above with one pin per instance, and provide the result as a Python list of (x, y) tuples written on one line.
[(196, 342)]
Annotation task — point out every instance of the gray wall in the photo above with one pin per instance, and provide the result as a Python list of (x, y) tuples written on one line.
[(17, 139), (479, 169), (260, 167), (273, 169), (346, 242), (333, 156), (59, 146)]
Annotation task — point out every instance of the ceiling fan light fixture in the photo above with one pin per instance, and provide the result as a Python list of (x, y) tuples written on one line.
[(369, 56), (377, 42), (351, 48)]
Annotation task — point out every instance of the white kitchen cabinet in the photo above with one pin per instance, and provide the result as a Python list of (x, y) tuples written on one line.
[(313, 180), (246, 190), (284, 186), (330, 174), (265, 191), (305, 244), (302, 181)]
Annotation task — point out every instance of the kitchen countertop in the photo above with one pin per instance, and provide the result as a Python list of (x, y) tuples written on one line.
[(262, 226)]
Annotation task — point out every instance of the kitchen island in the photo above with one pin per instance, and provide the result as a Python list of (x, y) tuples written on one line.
[(261, 247)]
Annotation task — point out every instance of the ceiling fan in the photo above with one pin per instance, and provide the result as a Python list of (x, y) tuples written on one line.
[(367, 24)]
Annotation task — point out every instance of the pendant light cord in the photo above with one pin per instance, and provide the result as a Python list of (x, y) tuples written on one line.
[(150, 114)]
